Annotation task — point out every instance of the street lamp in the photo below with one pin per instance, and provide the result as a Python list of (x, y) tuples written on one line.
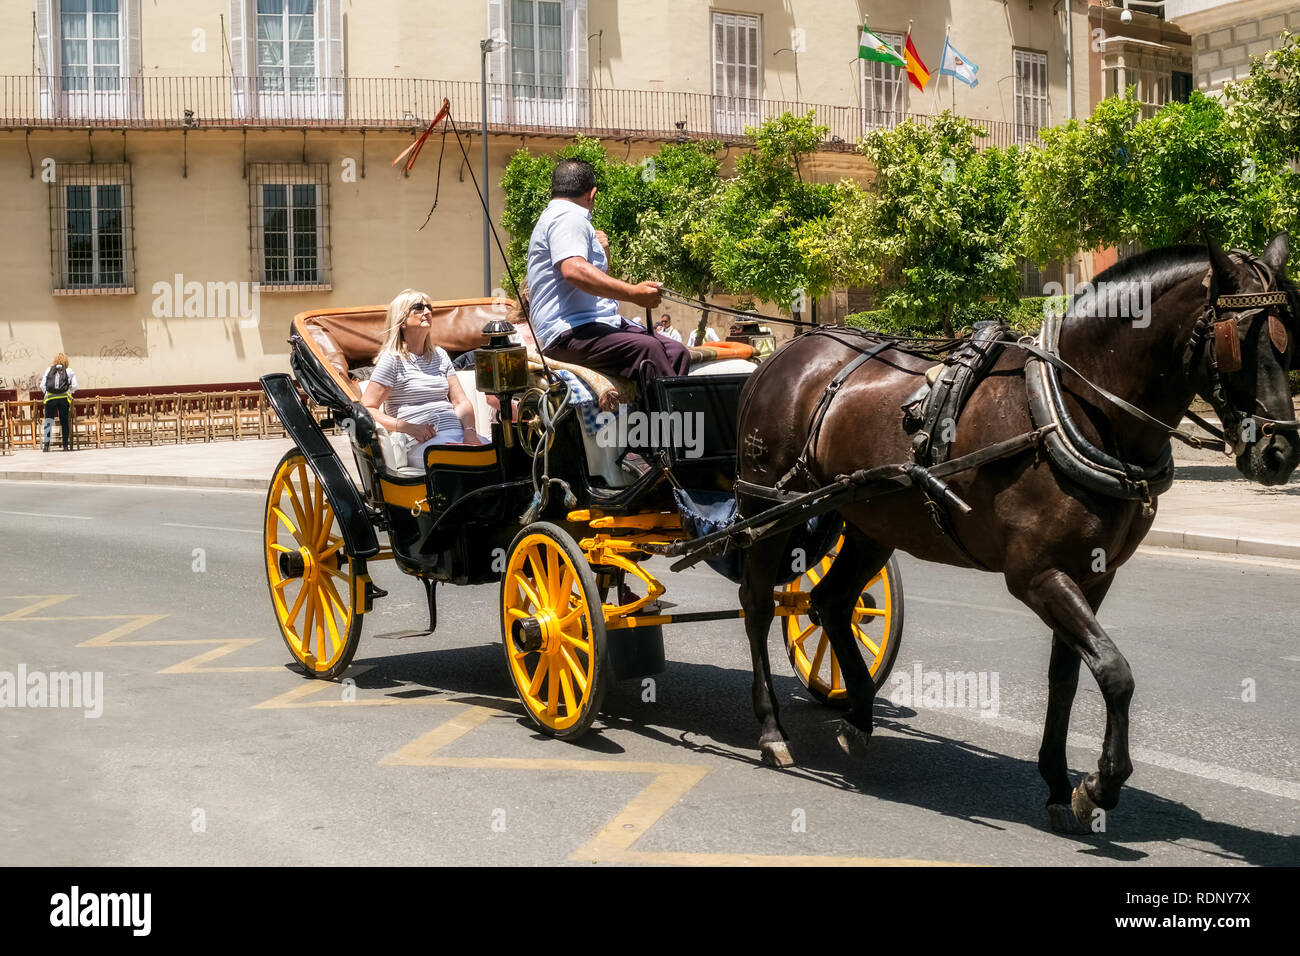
[(486, 47)]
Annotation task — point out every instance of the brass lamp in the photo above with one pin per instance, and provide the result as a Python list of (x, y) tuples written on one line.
[(501, 366)]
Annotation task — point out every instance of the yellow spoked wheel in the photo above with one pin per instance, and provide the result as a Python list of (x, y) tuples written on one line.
[(317, 590), (877, 627), (553, 630)]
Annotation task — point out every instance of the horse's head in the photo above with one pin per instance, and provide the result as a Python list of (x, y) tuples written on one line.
[(1251, 329)]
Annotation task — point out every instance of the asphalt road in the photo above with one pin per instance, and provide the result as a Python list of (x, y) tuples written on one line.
[(210, 749)]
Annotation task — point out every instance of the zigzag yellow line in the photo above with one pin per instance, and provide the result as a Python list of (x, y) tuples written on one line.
[(614, 843), (134, 622)]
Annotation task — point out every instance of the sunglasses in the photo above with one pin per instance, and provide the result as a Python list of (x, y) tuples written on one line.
[(422, 307)]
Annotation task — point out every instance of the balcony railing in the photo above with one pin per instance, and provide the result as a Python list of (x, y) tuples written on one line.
[(223, 102)]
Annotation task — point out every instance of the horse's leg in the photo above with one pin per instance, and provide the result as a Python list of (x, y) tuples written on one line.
[(1061, 602), (833, 600), (762, 568), (1062, 680)]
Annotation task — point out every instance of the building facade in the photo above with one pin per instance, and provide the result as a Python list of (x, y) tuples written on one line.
[(1227, 33), (179, 179)]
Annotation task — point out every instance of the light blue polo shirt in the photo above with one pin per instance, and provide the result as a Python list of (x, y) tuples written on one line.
[(556, 305)]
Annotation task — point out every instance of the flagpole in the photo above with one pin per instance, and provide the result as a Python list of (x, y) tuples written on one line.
[(952, 80)]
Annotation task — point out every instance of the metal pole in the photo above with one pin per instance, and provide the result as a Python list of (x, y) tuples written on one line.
[(1069, 60), (484, 46)]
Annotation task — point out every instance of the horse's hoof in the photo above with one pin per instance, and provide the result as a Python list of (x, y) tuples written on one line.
[(852, 740), (1084, 808), (1064, 820), (777, 754)]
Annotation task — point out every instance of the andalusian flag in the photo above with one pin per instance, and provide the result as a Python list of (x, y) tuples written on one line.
[(871, 47), (916, 70)]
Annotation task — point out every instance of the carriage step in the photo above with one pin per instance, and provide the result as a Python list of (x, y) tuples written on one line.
[(374, 591)]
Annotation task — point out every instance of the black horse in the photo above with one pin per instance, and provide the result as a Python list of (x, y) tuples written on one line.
[(1039, 519)]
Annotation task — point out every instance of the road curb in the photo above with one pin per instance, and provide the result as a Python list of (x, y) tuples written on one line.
[(1222, 544), (181, 481)]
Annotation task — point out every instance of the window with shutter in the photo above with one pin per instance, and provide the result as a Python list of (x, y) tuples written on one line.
[(287, 58), (1030, 94), (737, 73), (289, 214), (89, 57), (539, 79), (884, 88)]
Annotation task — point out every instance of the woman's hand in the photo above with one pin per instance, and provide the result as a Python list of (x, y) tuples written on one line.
[(609, 400), (471, 437), (420, 432)]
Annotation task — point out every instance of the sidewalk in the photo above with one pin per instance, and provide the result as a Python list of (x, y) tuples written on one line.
[(1210, 508)]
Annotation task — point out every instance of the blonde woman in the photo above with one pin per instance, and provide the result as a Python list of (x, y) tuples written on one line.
[(58, 383), (416, 379)]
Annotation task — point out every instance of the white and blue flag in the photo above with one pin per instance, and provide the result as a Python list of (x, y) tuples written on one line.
[(957, 66)]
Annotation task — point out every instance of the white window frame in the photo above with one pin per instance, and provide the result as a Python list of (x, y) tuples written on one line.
[(92, 177), (736, 107), (1032, 104), (565, 112), (81, 99), (539, 89), (884, 87), (321, 99), (288, 176)]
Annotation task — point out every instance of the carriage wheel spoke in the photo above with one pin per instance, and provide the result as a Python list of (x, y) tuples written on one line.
[(576, 669), (327, 520), (293, 530), (276, 546), (295, 503), (816, 667), (867, 642), (803, 635), (527, 588), (578, 642), (835, 672), (566, 683), (535, 687), (553, 576), (297, 605), (553, 695)]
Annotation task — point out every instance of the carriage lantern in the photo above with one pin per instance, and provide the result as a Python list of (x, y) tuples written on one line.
[(758, 337), (501, 366)]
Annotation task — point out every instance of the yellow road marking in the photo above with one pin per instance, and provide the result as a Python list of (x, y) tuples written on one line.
[(135, 622)]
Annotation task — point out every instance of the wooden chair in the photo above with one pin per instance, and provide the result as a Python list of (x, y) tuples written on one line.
[(139, 415), (249, 415), (166, 419), (223, 416), (85, 423), (6, 432), (113, 420), (25, 421), (272, 427), (195, 416)]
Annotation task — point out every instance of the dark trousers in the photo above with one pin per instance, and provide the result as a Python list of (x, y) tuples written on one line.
[(620, 351), (62, 407)]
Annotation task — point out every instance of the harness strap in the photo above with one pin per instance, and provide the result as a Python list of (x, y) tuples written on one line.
[(823, 405)]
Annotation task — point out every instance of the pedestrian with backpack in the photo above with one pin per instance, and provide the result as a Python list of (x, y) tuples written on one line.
[(58, 383)]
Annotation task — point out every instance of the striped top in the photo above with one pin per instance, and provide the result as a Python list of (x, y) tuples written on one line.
[(419, 387)]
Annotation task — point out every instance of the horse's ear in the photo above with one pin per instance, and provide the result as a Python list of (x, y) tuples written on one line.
[(1277, 252), (1226, 275)]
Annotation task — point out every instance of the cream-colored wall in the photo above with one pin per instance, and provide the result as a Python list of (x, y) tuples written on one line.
[(199, 226), (650, 45)]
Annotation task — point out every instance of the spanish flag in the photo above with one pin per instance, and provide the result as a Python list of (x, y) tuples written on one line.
[(916, 70)]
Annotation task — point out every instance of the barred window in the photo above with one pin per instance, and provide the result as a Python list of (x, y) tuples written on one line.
[(91, 239), (290, 225)]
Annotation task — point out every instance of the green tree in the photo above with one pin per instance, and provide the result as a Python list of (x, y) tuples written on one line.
[(937, 229), (749, 233)]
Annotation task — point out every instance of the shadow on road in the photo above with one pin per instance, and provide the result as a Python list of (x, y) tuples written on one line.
[(705, 710)]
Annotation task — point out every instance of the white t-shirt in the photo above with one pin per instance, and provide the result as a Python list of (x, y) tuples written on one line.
[(709, 335)]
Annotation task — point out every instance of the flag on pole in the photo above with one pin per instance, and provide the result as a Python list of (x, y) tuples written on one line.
[(917, 71), (871, 47), (957, 66)]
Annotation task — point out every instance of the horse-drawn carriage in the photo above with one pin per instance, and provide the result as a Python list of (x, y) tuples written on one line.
[(549, 508)]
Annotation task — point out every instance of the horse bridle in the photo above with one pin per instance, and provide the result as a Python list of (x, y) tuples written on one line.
[(1223, 354)]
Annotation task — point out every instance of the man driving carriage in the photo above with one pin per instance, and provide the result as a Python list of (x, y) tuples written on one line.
[(573, 299)]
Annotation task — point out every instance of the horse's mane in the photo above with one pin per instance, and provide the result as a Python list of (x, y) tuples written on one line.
[(1161, 268)]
